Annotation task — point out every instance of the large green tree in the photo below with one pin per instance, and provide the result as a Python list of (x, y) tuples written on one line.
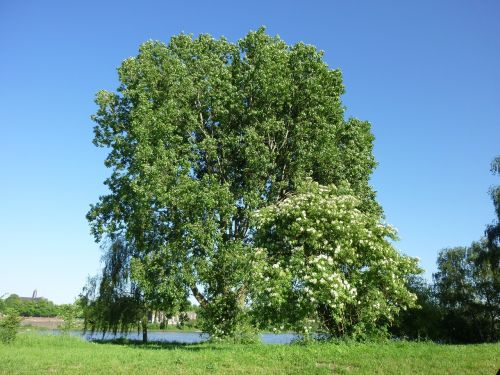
[(491, 253), (202, 132), (468, 291), (463, 305)]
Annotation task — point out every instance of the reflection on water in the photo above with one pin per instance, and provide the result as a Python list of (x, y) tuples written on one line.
[(180, 337)]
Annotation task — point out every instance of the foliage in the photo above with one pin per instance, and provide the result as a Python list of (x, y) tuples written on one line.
[(463, 305), (9, 325), (469, 293), (68, 314), (203, 132), (112, 301), (491, 252), (14, 302), (468, 283), (423, 321), (323, 258), (31, 307)]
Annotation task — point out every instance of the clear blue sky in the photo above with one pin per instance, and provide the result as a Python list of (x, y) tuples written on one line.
[(426, 74)]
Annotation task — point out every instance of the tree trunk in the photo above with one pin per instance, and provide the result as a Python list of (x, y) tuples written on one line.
[(145, 329), (325, 314)]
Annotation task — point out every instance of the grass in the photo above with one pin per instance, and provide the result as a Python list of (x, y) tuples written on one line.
[(46, 354)]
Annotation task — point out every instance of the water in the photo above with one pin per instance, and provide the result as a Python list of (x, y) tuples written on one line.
[(179, 337), (278, 338)]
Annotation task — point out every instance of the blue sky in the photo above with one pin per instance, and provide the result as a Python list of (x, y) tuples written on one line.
[(424, 73)]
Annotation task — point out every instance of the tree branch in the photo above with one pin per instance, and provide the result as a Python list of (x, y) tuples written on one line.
[(199, 297)]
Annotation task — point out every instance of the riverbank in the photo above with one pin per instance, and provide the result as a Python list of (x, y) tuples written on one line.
[(34, 354), (42, 322)]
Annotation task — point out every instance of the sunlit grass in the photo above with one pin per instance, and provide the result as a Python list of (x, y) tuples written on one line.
[(40, 354)]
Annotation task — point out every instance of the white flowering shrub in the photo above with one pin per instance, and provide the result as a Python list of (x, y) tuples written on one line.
[(322, 264)]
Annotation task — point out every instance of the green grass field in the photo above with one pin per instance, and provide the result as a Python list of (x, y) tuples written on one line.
[(45, 354)]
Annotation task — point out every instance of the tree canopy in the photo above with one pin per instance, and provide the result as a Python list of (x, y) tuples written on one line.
[(202, 133), (468, 291)]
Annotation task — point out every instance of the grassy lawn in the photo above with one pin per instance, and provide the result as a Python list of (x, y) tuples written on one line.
[(45, 354)]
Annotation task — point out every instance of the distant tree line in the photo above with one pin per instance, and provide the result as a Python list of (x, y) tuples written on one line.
[(31, 307), (463, 303)]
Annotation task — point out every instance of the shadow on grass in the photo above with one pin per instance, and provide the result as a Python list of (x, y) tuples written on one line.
[(159, 345)]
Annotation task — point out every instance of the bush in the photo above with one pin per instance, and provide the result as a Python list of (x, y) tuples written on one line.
[(9, 326), (68, 314), (325, 263)]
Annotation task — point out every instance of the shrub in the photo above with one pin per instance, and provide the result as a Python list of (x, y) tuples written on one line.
[(9, 326), (325, 263), (68, 314)]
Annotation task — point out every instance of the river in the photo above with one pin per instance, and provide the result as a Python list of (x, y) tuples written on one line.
[(177, 337)]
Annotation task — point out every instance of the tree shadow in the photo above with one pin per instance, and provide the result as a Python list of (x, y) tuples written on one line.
[(158, 345)]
